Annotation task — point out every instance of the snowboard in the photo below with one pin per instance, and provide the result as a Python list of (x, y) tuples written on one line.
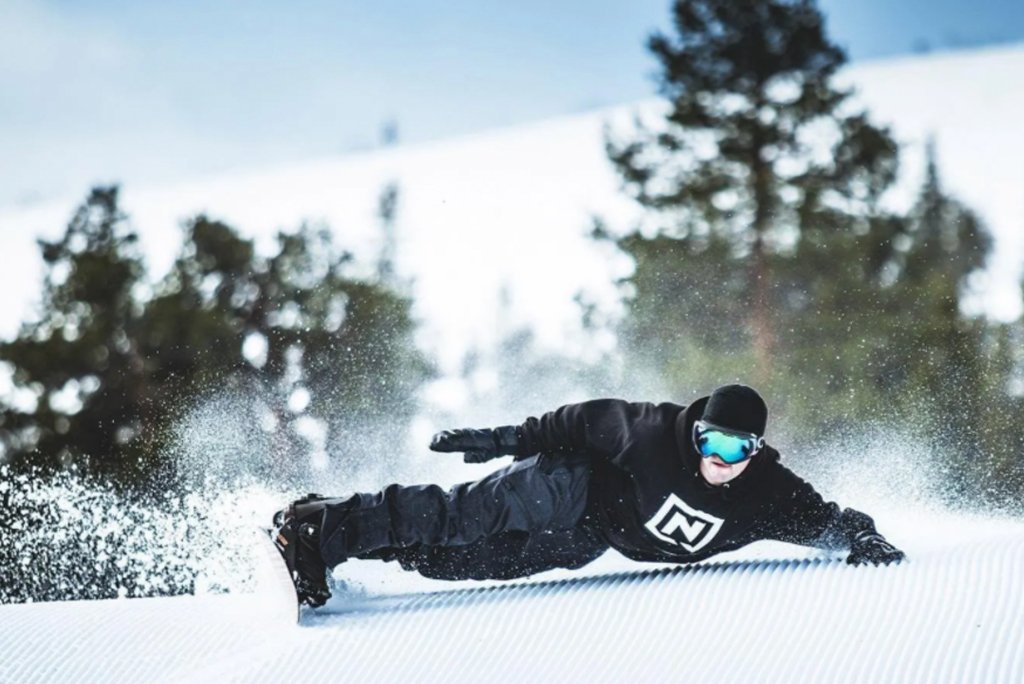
[(274, 584)]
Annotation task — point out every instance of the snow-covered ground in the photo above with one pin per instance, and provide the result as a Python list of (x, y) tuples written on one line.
[(954, 612)]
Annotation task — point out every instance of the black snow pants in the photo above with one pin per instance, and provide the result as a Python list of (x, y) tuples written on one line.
[(526, 518)]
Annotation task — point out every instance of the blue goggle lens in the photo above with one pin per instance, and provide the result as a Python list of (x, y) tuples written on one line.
[(731, 448)]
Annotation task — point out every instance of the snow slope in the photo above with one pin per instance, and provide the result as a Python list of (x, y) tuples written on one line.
[(511, 208), (954, 612)]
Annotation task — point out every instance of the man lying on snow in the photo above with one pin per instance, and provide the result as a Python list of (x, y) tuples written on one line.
[(662, 483)]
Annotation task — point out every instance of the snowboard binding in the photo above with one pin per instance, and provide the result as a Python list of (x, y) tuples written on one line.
[(296, 535)]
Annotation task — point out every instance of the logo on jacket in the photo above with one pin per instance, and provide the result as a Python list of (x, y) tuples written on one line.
[(676, 522)]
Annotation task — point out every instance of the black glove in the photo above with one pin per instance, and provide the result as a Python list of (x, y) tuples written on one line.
[(477, 446), (871, 547)]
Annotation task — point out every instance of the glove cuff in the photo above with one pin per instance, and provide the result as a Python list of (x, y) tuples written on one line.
[(846, 528), (857, 525), (506, 440), (866, 535)]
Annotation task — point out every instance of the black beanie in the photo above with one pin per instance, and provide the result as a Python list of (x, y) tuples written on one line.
[(737, 407)]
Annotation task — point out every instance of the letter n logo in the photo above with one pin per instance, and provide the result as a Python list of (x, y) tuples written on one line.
[(679, 524)]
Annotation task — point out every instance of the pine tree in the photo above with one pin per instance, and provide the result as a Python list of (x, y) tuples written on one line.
[(758, 151), (77, 366), (114, 364)]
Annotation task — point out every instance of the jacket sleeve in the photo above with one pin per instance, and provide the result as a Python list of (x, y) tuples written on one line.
[(593, 427), (800, 515)]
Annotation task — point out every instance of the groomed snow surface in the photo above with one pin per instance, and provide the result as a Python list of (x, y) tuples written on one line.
[(773, 612)]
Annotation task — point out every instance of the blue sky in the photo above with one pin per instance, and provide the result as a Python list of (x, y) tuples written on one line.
[(145, 93)]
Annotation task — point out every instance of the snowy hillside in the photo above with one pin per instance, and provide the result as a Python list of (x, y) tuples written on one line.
[(954, 612), (511, 208)]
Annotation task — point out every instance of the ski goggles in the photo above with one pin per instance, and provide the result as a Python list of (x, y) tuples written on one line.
[(729, 445)]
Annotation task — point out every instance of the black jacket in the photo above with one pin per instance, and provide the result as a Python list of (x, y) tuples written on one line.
[(652, 504)]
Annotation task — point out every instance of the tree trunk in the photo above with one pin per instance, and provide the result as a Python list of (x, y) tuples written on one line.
[(759, 273)]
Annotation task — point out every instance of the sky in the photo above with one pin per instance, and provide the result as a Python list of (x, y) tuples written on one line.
[(148, 93)]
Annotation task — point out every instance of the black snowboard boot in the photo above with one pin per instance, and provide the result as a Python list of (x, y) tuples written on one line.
[(298, 539)]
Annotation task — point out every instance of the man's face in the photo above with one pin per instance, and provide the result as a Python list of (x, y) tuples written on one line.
[(718, 472)]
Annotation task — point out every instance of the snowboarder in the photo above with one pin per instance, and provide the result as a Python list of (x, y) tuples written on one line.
[(664, 483)]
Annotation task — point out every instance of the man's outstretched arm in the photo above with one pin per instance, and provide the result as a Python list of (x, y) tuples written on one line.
[(802, 516), (591, 426)]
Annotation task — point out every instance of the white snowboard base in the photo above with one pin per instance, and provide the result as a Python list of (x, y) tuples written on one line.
[(273, 582)]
